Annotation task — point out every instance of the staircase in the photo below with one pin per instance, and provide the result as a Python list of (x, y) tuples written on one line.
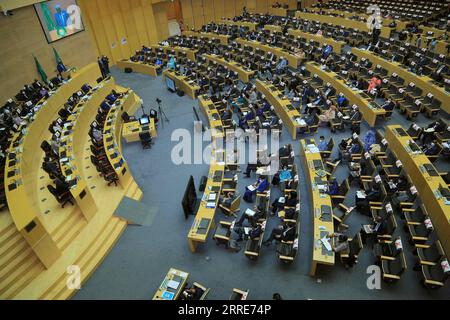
[(19, 265)]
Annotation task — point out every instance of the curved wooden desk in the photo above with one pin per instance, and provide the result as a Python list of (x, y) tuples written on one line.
[(283, 107), (182, 82), (21, 187), (112, 133), (427, 185), (338, 21), (322, 224), (139, 67), (337, 45), (222, 38), (244, 75), (369, 112), (73, 144), (250, 25), (293, 60), (424, 82), (204, 219)]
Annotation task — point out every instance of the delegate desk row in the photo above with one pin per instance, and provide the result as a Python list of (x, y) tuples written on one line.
[(112, 134), (244, 74), (293, 60), (180, 82), (423, 82), (432, 188), (283, 107), (250, 25), (322, 210), (338, 21), (369, 111), (337, 45), (23, 162), (223, 39), (73, 143), (204, 219)]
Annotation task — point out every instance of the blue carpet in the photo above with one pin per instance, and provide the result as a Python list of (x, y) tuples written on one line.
[(136, 266)]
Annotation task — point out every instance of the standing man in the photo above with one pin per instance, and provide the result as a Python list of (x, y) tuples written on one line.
[(101, 65), (105, 60), (376, 26)]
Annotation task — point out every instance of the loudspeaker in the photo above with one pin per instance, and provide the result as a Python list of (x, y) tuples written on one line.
[(180, 93), (128, 70)]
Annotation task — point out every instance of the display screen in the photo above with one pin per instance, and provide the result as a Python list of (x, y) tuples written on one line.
[(59, 18), (170, 84)]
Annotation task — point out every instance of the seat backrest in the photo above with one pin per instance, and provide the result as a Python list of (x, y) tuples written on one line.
[(52, 190), (391, 224), (398, 266), (145, 136), (125, 116)]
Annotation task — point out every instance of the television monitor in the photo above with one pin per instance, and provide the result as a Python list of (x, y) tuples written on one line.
[(170, 84), (144, 121), (59, 18), (189, 201)]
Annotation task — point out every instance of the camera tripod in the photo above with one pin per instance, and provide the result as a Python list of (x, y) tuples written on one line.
[(162, 114)]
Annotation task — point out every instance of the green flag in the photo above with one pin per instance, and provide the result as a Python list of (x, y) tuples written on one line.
[(40, 70), (57, 57)]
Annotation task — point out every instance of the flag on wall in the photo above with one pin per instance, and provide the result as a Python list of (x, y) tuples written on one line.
[(40, 70)]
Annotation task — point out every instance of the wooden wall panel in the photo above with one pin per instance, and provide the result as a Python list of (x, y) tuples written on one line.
[(261, 6), (188, 18), (218, 9), (208, 10), (197, 9), (105, 16), (251, 6), (131, 31), (229, 8), (160, 13), (119, 25), (239, 5), (22, 36), (149, 21)]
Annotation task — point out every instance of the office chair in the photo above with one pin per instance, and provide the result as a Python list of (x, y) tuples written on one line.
[(393, 267), (63, 198), (146, 140), (127, 118), (109, 175), (435, 275)]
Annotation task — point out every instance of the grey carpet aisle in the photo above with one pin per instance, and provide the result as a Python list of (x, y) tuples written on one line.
[(141, 258)]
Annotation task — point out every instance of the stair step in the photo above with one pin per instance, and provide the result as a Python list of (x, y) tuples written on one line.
[(72, 233), (88, 260), (20, 251), (69, 229), (9, 242), (23, 271)]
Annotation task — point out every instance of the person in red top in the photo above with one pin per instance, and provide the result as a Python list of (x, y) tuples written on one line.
[(374, 82)]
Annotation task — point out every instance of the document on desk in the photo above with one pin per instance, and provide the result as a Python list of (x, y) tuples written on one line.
[(211, 204), (313, 148), (173, 284), (251, 188), (326, 243), (212, 196), (250, 212), (300, 121), (361, 194)]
